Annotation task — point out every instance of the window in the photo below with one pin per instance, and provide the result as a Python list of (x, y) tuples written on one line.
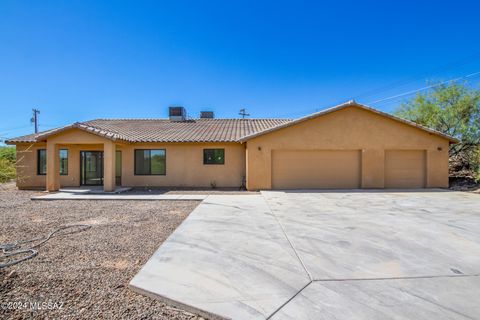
[(150, 162), (213, 156), (41, 162), (63, 162)]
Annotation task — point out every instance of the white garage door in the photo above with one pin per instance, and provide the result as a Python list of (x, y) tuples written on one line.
[(316, 169), (405, 168)]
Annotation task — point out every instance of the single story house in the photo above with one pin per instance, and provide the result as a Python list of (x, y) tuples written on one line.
[(347, 146)]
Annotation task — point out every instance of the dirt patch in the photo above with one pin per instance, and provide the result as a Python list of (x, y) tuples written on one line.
[(86, 274)]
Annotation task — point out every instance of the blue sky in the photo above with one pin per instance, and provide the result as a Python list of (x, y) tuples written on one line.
[(79, 60)]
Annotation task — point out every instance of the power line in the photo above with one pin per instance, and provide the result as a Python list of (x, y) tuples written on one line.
[(12, 132), (310, 110), (425, 88), (52, 125), (392, 101), (304, 111), (15, 128), (396, 84)]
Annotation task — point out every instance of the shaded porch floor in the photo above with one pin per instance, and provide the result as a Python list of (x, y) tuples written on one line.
[(93, 190)]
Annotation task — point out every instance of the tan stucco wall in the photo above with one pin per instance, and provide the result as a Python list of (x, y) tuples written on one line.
[(27, 166), (27, 177), (184, 167), (351, 128)]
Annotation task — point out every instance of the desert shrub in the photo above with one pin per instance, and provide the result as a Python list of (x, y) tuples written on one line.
[(7, 164)]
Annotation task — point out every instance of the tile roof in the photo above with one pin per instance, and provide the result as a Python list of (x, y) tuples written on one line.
[(200, 130), (164, 130)]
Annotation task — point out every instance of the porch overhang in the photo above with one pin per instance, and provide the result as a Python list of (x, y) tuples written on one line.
[(79, 136)]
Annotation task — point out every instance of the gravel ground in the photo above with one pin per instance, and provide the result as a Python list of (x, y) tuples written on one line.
[(86, 273)]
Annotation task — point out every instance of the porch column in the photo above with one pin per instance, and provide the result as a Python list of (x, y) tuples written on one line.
[(109, 166), (53, 167)]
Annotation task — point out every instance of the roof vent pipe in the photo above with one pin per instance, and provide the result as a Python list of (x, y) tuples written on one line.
[(207, 115), (177, 113)]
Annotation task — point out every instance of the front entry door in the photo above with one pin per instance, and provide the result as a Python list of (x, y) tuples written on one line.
[(91, 168), (118, 168)]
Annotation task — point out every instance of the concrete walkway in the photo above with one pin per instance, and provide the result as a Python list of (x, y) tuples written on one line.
[(93, 190), (67, 195), (323, 255)]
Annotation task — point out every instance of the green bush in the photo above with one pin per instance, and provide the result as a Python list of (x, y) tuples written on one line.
[(8, 153), (7, 170), (7, 163)]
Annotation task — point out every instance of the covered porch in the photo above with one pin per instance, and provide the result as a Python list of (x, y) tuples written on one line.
[(92, 161)]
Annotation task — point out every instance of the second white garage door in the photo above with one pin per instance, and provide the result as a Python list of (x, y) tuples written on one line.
[(316, 169)]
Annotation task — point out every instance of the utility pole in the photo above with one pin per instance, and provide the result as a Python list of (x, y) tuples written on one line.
[(34, 119), (243, 113)]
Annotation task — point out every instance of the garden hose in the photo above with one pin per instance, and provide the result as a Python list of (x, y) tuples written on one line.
[(10, 250)]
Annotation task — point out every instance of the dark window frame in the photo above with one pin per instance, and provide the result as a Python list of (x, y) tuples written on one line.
[(148, 174), (82, 165), (60, 161), (39, 166), (213, 163)]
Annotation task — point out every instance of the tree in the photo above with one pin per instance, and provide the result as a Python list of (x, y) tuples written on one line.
[(453, 109)]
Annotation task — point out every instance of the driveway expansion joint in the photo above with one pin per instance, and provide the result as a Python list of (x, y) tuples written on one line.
[(286, 302), (249, 257), (290, 243), (298, 257)]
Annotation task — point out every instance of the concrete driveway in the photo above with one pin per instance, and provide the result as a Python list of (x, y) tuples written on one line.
[(323, 255)]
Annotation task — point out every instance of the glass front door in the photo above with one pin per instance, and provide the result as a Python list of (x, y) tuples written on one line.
[(91, 168), (118, 168)]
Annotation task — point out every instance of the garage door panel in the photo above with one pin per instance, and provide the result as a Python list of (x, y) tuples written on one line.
[(316, 169), (405, 168)]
